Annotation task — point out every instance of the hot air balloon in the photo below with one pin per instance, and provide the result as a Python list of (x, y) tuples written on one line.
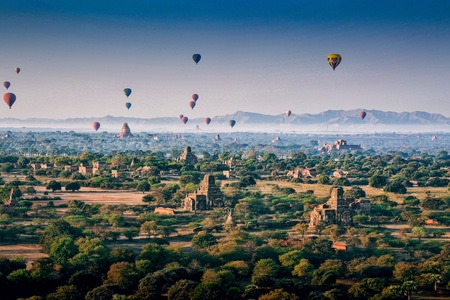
[(232, 123), (334, 60), (128, 105), (9, 99), (127, 91), (288, 113), (362, 115), (195, 97), (184, 119), (96, 125), (181, 116), (192, 104), (17, 70), (207, 120), (196, 57), (6, 84)]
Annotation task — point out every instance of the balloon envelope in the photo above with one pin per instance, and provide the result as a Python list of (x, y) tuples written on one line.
[(9, 99), (17, 70), (184, 119), (96, 125), (362, 115), (195, 97), (196, 57), (127, 91), (128, 105), (6, 84), (232, 123), (207, 120), (181, 116), (288, 113), (334, 60), (192, 104)]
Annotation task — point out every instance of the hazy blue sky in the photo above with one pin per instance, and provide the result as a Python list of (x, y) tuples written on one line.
[(262, 56)]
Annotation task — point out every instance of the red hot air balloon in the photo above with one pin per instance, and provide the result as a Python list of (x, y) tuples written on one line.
[(195, 97), (207, 120), (192, 104), (96, 125), (184, 119), (6, 84), (362, 115), (9, 99)]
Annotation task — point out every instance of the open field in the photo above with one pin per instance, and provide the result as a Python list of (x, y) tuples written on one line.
[(95, 195)]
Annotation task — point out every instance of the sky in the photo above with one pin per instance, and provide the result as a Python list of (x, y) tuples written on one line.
[(76, 57)]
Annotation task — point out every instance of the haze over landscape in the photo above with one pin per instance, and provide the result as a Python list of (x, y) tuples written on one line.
[(261, 57)]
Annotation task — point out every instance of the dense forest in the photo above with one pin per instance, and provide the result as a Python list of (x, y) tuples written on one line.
[(265, 249)]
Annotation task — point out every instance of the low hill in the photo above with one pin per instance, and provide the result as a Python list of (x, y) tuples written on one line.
[(330, 120)]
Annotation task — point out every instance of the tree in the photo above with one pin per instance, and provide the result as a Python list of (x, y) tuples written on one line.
[(73, 186), (247, 181), (123, 274), (181, 290), (355, 192), (419, 232), (396, 187), (67, 292), (203, 240), (149, 227), (291, 259), (63, 249), (105, 291), (303, 269), (279, 294), (53, 185), (56, 229), (377, 181), (301, 228), (130, 233), (143, 186), (408, 287), (265, 272)]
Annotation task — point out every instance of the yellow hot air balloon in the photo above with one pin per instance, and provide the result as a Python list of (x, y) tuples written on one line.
[(334, 60)]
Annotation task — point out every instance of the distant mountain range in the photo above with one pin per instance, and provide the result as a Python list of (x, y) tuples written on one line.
[(330, 120)]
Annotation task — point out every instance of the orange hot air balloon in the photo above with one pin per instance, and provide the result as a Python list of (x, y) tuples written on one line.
[(9, 99), (362, 115), (195, 97), (288, 113), (207, 120), (96, 125), (184, 119), (17, 70), (192, 104), (6, 84)]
